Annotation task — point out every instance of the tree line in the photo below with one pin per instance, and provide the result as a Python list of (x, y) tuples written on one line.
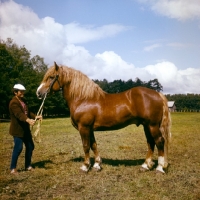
[(17, 66), (185, 102)]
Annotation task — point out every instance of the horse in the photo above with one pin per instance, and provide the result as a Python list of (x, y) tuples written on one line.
[(92, 109)]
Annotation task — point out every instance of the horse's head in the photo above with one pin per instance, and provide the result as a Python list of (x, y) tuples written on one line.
[(51, 81)]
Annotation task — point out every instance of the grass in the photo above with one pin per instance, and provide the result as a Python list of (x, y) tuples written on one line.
[(58, 157)]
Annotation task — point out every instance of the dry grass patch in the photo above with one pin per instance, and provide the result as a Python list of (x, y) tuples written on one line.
[(58, 158)]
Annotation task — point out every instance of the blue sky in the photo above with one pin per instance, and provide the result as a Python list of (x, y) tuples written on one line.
[(112, 39)]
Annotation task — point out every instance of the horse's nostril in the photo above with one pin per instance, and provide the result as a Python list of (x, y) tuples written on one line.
[(39, 96)]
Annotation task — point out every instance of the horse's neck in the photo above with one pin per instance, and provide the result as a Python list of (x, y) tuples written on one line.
[(67, 96), (66, 93)]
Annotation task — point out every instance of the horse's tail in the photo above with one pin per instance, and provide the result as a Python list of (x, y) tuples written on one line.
[(165, 127)]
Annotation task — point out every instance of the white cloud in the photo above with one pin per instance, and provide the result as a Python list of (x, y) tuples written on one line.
[(76, 33), (178, 45), (174, 80), (152, 47), (27, 29), (178, 9), (113, 67), (56, 42), (13, 14)]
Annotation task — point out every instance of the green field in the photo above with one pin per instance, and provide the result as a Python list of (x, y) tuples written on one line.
[(58, 157)]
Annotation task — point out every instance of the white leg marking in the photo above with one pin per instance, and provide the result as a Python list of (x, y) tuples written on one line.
[(84, 168), (97, 163), (144, 165), (97, 166), (160, 169), (161, 162)]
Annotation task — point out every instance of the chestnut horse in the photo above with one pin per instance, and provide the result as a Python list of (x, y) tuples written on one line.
[(92, 109)]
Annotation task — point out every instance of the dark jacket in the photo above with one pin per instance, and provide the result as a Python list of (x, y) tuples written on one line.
[(18, 126)]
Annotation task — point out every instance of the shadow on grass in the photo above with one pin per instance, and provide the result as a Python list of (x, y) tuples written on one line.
[(42, 164), (114, 162)]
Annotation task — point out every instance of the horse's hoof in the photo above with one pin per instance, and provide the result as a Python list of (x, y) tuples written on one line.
[(142, 169), (159, 170), (84, 169), (96, 167), (83, 172), (96, 170)]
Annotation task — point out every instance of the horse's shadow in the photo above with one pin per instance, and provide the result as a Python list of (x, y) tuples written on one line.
[(115, 162), (105, 161)]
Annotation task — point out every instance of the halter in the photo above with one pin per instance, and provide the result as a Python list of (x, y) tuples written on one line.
[(36, 134), (52, 83)]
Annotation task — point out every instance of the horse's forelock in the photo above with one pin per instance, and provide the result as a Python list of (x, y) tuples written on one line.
[(49, 72)]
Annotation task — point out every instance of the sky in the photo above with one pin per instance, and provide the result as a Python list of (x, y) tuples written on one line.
[(112, 39)]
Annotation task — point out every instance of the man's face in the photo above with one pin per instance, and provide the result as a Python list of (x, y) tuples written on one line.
[(20, 93)]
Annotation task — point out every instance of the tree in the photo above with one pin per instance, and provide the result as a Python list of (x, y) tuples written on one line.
[(6, 61), (104, 85), (120, 86), (38, 64), (155, 85), (16, 67)]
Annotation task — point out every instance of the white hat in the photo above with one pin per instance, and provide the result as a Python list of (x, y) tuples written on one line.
[(19, 87)]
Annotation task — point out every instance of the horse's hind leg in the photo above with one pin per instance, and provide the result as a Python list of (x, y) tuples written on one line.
[(93, 146), (148, 164), (159, 141)]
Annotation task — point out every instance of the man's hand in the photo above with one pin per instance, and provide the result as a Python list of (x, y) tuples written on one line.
[(39, 117), (30, 121)]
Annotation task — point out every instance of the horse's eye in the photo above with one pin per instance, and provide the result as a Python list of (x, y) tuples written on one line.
[(51, 77)]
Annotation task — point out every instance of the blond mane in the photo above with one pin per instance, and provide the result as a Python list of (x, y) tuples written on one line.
[(79, 84)]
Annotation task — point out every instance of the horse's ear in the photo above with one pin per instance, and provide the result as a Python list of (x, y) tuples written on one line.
[(56, 66)]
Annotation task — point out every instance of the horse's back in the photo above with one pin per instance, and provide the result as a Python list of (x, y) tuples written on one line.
[(136, 99)]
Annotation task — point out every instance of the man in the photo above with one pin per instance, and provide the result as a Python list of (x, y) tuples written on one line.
[(21, 119)]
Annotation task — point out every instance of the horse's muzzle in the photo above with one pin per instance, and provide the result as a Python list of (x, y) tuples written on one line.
[(39, 95), (40, 92)]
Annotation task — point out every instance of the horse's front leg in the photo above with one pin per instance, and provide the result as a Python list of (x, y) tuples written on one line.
[(85, 136), (93, 145)]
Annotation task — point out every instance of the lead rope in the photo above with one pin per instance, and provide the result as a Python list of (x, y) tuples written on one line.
[(36, 134)]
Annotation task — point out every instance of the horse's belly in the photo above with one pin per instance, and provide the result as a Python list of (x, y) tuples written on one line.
[(115, 124)]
